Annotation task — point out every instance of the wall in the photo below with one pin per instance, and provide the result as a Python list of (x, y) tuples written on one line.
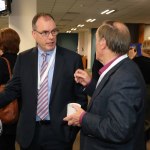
[(84, 45), (147, 32), (21, 20)]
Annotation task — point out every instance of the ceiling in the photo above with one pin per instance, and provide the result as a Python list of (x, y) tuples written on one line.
[(69, 13)]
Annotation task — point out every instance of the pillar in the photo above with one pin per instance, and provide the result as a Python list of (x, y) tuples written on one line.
[(20, 20)]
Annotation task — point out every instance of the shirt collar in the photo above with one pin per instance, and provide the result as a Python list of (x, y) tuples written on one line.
[(107, 65), (48, 52)]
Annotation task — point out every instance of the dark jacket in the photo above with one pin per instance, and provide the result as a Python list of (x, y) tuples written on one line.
[(115, 116)]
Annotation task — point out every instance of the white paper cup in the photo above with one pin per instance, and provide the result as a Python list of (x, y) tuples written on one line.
[(70, 109)]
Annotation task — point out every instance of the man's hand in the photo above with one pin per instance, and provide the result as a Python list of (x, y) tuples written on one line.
[(74, 118), (82, 77)]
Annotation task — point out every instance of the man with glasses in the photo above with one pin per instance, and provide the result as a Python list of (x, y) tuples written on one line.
[(44, 80)]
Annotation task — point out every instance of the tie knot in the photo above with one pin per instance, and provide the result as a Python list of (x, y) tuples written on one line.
[(44, 55)]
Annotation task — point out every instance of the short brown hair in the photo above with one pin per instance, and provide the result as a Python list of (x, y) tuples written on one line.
[(117, 36), (9, 40), (37, 16)]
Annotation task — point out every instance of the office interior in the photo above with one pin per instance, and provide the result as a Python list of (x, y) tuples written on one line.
[(70, 13)]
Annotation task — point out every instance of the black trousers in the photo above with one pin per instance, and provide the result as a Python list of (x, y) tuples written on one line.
[(45, 139)]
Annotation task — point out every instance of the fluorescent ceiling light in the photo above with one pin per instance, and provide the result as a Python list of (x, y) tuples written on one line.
[(111, 11), (90, 20), (68, 31), (105, 11), (93, 20), (80, 25), (73, 29)]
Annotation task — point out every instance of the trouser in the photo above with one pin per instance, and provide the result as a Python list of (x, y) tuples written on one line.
[(45, 139)]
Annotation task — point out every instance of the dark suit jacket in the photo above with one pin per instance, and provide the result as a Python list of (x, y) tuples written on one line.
[(115, 116), (64, 90)]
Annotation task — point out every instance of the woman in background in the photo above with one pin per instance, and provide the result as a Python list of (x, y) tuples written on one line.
[(9, 44)]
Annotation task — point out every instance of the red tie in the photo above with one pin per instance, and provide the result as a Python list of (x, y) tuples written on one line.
[(42, 106)]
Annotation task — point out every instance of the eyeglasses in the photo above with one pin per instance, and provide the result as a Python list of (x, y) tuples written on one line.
[(54, 32)]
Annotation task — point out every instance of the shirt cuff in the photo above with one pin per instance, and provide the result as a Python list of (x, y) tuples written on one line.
[(81, 116)]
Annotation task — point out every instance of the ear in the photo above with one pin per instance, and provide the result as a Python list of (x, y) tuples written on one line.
[(103, 43), (33, 34)]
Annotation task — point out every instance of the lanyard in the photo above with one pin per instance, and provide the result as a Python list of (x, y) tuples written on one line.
[(40, 80)]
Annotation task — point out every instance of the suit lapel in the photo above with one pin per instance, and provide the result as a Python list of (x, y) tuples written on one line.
[(104, 82), (34, 67), (58, 69), (98, 89)]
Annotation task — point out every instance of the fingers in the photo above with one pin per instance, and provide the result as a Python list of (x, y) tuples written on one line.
[(82, 77), (80, 73), (72, 121), (78, 77)]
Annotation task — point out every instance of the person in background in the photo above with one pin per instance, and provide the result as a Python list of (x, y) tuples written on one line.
[(44, 80), (143, 62), (9, 44), (132, 52), (114, 119)]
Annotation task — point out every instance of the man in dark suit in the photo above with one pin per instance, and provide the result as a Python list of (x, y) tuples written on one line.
[(47, 131), (114, 119)]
